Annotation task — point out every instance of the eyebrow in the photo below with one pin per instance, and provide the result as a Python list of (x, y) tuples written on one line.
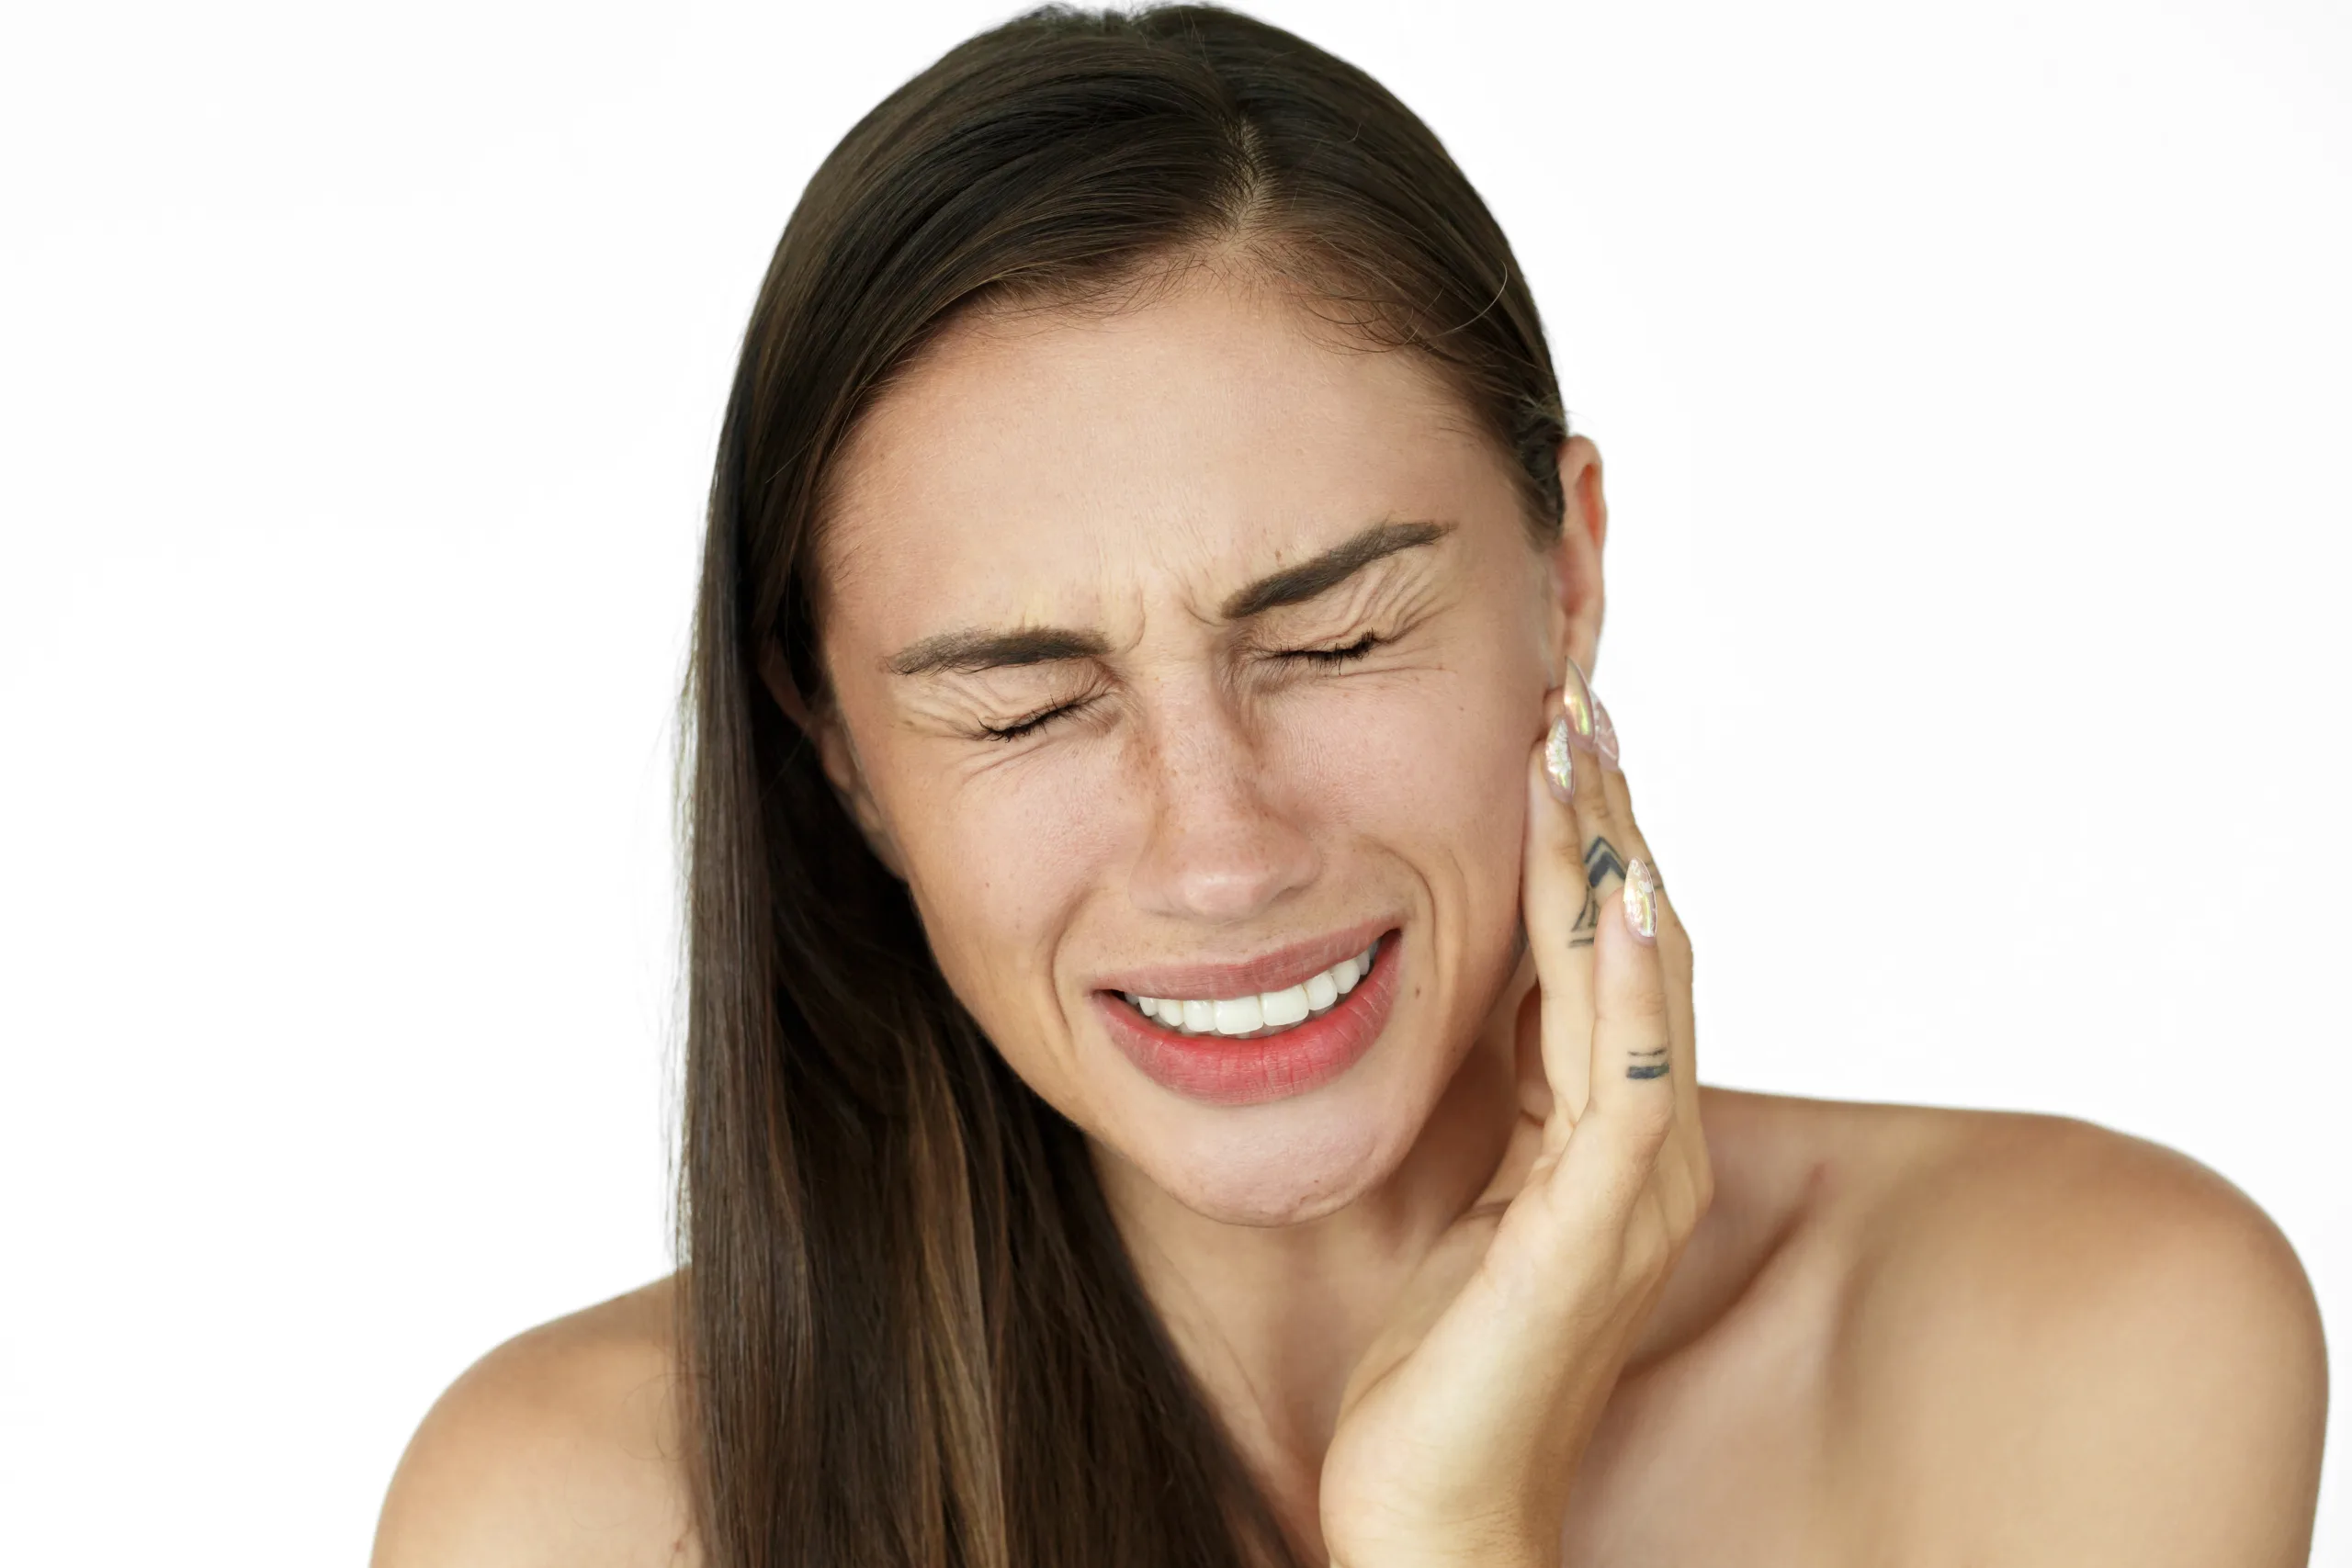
[(970, 651), (1320, 574)]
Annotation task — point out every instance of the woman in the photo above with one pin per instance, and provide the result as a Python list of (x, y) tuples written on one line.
[(1190, 1055)]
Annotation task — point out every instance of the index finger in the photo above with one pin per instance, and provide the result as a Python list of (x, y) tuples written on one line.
[(1674, 955), (1574, 867)]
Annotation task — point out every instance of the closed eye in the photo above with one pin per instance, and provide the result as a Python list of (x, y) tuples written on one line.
[(1039, 720), (1355, 650), (1031, 724)]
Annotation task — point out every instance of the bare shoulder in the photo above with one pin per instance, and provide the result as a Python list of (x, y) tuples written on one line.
[(2063, 1345), (558, 1447)]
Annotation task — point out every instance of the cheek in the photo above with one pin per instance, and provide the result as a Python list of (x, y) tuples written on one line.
[(998, 864), (1430, 764), (1000, 867)]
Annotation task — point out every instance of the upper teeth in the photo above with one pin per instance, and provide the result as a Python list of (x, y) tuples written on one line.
[(1266, 1009)]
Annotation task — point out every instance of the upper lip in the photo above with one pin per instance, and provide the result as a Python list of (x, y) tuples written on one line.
[(1276, 971)]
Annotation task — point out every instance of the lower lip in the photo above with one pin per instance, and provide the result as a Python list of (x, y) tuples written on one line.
[(1219, 1070)]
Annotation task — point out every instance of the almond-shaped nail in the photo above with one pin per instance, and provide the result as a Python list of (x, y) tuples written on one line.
[(1575, 701), (1643, 897), (1604, 733), (1560, 761)]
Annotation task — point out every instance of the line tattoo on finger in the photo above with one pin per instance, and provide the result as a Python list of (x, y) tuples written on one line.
[(1648, 1063), (1587, 923)]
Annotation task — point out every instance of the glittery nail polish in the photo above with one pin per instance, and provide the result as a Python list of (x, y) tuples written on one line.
[(1575, 701), (1604, 733), (1559, 762), (1643, 895)]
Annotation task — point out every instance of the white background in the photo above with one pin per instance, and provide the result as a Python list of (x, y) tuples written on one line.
[(1972, 379)]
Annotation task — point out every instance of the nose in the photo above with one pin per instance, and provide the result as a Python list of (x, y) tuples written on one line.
[(1224, 844)]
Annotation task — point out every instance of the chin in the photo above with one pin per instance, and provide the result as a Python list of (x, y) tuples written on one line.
[(1289, 1161)]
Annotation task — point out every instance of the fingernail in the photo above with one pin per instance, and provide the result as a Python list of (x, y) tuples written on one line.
[(1604, 733), (1575, 701), (1643, 897), (1559, 762)]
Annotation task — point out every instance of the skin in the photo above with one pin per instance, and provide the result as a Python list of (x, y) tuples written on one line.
[(1483, 1282)]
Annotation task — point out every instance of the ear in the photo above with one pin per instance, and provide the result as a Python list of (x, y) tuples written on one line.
[(1577, 600), (823, 725)]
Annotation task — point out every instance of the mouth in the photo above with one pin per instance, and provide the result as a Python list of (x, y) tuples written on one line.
[(1194, 1032), (1258, 1015)]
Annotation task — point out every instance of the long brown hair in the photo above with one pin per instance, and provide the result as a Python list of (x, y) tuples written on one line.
[(909, 1331)]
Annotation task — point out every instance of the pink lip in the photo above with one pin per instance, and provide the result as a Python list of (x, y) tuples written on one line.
[(1276, 971), (1219, 1070)]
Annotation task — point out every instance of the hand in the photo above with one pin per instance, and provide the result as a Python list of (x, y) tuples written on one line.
[(1460, 1428)]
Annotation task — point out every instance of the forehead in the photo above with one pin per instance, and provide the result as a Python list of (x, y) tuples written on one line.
[(1031, 464)]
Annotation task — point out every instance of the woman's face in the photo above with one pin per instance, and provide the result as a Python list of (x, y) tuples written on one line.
[(1181, 654)]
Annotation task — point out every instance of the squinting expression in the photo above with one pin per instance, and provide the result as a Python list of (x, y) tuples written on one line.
[(1185, 654)]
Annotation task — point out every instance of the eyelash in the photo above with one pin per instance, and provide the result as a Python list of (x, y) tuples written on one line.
[(1033, 723), (1353, 650), (1322, 656)]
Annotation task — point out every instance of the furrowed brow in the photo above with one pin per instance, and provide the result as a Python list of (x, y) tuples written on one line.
[(970, 651), (1320, 574)]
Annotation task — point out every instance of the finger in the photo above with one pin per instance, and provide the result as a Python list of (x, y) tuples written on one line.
[(1673, 938), (1614, 1151), (1674, 955), (1593, 863), (1674, 942), (1597, 833), (1627, 967), (1553, 895)]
